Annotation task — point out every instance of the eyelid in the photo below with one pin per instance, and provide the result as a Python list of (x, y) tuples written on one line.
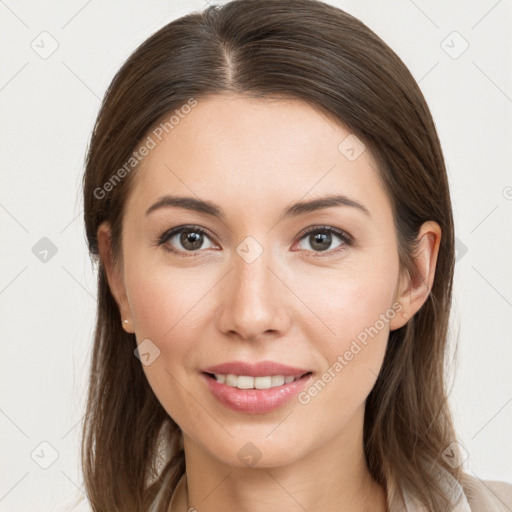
[(323, 227), (178, 229)]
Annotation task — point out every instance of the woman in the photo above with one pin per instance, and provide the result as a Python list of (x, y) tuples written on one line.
[(266, 196)]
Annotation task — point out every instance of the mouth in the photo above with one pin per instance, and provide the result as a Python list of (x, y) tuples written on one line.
[(249, 394), (251, 382)]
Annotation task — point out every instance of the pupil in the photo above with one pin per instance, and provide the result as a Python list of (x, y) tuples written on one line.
[(191, 240), (320, 238)]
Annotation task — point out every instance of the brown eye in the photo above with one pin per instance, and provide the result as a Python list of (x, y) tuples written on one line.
[(320, 239), (191, 240), (185, 239)]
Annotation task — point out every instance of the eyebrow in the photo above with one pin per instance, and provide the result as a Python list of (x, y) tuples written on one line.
[(296, 209)]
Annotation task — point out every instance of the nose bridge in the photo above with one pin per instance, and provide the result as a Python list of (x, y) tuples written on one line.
[(253, 302)]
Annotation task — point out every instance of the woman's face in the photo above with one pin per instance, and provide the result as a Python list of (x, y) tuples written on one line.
[(265, 282)]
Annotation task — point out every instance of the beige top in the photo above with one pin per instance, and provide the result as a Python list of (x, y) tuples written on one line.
[(474, 495)]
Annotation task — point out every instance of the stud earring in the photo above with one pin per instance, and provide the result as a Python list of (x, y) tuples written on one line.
[(125, 321)]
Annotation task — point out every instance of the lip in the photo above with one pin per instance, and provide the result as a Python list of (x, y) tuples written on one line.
[(255, 401), (261, 369)]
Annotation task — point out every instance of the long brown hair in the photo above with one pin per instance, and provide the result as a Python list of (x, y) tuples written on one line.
[(299, 49)]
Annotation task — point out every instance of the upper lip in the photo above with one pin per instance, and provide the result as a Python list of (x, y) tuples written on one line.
[(261, 369)]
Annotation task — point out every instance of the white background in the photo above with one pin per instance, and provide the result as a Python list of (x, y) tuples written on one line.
[(48, 308)]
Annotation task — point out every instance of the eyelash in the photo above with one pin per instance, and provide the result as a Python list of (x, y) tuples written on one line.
[(347, 240)]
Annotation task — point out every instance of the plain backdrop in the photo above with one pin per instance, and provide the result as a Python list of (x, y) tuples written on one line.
[(57, 61)]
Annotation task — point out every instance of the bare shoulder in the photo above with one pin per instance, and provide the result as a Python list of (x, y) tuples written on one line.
[(487, 495)]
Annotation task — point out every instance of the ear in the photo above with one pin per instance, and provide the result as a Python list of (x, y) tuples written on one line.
[(114, 274), (414, 290)]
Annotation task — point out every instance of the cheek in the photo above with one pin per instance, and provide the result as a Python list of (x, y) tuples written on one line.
[(360, 317), (164, 300), (166, 306), (353, 310), (347, 301)]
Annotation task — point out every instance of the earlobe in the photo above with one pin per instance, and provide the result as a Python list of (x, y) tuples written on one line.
[(113, 273), (418, 286)]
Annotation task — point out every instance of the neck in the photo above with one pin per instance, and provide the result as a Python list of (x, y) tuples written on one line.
[(331, 478)]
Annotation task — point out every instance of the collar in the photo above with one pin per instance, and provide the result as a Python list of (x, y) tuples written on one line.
[(404, 501)]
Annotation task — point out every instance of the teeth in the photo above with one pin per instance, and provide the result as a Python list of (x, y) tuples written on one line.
[(277, 380), (247, 382)]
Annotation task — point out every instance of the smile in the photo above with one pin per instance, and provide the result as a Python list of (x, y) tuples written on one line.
[(254, 395)]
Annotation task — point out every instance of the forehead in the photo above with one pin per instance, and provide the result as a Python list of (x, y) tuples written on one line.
[(248, 152)]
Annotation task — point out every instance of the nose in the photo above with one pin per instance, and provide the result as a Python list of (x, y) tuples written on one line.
[(254, 301)]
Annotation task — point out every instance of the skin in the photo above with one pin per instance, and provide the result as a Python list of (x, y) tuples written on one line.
[(253, 158)]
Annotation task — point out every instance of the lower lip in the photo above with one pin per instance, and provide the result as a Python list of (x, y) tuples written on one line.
[(255, 401)]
